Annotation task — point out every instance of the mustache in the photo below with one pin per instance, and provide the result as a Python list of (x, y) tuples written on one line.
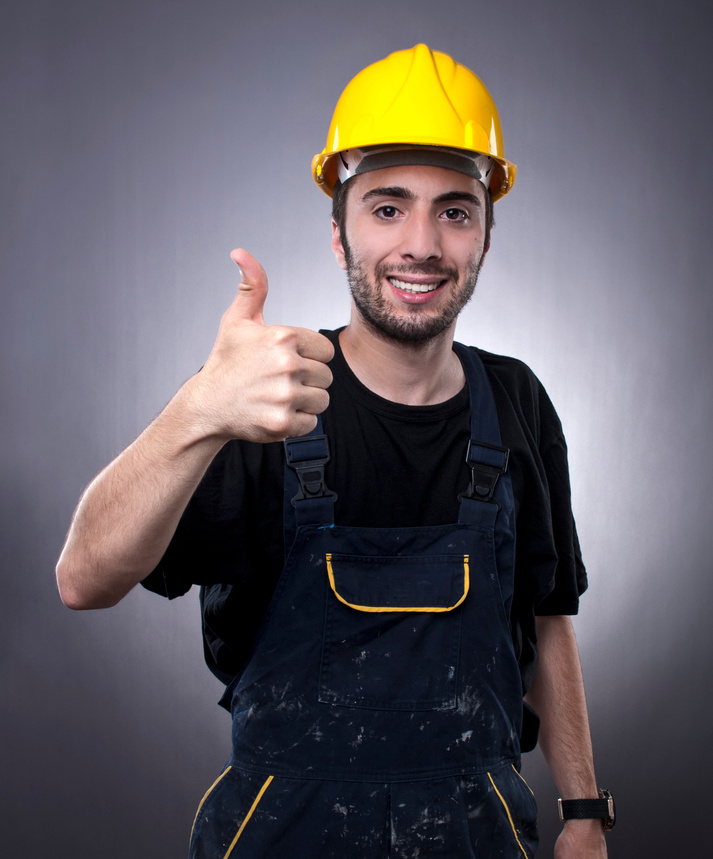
[(431, 269)]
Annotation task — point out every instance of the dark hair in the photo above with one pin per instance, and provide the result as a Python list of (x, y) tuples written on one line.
[(339, 205), (339, 210)]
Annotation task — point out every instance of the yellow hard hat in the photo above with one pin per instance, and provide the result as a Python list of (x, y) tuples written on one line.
[(411, 100)]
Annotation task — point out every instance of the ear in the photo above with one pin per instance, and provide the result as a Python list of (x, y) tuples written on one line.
[(337, 246)]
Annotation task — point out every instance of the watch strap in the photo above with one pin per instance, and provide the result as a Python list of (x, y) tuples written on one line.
[(584, 809)]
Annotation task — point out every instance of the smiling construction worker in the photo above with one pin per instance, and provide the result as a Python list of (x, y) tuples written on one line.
[(379, 519)]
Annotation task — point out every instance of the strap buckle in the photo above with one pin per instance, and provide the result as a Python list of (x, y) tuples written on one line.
[(486, 462), (307, 457)]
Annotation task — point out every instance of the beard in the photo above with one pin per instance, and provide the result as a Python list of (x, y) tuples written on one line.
[(418, 324)]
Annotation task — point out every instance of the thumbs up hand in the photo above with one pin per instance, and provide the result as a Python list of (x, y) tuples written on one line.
[(262, 382)]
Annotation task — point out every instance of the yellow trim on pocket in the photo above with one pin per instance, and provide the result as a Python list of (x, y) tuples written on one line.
[(206, 795), (466, 587), (248, 816), (519, 775), (507, 811)]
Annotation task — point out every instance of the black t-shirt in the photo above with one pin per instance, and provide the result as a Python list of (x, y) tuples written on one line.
[(392, 465)]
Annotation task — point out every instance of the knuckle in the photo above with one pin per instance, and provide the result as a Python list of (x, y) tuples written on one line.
[(281, 335), (286, 363), (283, 392), (281, 424)]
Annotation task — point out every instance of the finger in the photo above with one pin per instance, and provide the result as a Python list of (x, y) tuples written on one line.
[(313, 401), (312, 344), (252, 292), (316, 375)]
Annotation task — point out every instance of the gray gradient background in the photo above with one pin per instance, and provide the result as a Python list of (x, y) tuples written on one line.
[(141, 141)]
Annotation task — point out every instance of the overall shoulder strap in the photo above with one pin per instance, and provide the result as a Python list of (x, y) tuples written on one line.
[(307, 499), (486, 458)]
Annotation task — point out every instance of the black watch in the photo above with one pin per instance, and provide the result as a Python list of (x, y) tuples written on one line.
[(582, 809)]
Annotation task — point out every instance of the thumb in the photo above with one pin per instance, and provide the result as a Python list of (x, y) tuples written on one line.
[(252, 292)]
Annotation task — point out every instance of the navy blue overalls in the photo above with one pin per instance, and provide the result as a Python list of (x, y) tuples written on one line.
[(379, 713)]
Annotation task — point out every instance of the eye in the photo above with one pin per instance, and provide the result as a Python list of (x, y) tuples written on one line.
[(455, 214), (386, 213)]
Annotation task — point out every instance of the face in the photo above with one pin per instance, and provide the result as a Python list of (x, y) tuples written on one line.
[(412, 247)]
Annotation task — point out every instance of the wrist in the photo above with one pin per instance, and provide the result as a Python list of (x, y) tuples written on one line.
[(583, 825), (191, 419), (599, 811)]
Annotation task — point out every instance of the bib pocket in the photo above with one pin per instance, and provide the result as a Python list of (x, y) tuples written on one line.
[(392, 631)]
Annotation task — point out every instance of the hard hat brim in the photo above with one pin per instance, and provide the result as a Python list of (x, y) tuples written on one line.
[(325, 174)]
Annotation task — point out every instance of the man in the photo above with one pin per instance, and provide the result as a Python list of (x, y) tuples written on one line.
[(377, 588)]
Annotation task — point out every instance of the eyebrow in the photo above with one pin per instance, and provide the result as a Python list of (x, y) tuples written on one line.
[(391, 191), (456, 196), (401, 193)]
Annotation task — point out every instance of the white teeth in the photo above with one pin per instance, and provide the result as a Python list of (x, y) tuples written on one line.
[(413, 287)]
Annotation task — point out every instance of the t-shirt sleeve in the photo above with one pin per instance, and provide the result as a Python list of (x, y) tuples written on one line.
[(220, 538), (176, 572), (569, 580)]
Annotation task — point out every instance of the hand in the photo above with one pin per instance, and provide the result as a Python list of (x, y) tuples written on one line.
[(262, 382), (581, 839)]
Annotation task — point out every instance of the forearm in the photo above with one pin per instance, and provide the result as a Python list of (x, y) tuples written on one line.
[(128, 514), (557, 695)]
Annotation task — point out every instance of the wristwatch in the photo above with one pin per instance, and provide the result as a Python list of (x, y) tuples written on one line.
[(582, 809)]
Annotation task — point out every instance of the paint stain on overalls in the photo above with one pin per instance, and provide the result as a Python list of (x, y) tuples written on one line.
[(379, 713)]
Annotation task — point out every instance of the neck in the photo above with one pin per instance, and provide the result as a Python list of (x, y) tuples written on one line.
[(415, 374)]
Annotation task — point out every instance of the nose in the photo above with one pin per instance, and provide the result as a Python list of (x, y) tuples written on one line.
[(421, 238)]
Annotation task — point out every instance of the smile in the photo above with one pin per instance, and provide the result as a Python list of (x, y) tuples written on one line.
[(414, 287)]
